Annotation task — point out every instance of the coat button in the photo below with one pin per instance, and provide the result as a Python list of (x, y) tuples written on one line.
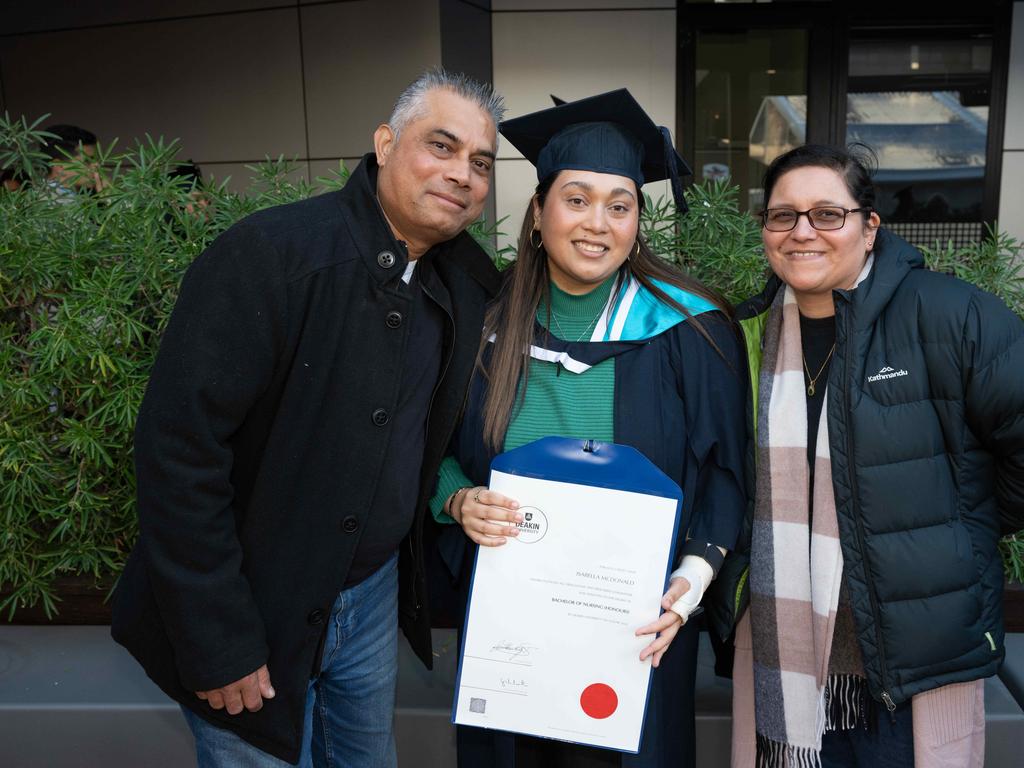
[(386, 259), (380, 417), (393, 320), (350, 524), (316, 616)]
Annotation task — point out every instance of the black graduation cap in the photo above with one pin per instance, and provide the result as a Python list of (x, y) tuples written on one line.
[(608, 133)]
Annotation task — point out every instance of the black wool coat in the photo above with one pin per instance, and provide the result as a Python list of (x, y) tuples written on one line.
[(261, 441)]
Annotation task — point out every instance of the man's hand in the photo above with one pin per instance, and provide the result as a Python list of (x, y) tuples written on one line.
[(247, 693)]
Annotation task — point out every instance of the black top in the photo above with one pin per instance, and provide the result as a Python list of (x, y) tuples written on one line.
[(817, 335), (394, 504)]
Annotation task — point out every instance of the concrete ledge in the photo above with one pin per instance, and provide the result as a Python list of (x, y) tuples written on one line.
[(71, 698), (1012, 672)]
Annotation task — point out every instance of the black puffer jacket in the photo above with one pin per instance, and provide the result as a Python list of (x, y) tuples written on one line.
[(926, 424)]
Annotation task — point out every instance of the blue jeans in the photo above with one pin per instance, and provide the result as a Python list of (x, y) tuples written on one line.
[(890, 745), (350, 704)]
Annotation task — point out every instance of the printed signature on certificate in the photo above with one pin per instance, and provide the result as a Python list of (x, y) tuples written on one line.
[(513, 650)]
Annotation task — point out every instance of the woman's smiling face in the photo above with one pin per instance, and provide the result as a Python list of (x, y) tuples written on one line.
[(588, 224), (815, 262)]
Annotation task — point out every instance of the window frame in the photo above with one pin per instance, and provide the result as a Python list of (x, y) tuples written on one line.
[(831, 25)]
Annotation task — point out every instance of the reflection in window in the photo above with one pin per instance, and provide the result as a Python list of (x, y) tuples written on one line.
[(736, 73), (930, 148), (869, 58), (779, 126), (931, 153), (922, 104)]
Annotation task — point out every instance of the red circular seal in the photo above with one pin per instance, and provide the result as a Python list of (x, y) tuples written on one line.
[(599, 700)]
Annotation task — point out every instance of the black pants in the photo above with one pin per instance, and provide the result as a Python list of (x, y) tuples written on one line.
[(888, 742)]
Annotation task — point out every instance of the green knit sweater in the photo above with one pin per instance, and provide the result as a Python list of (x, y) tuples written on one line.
[(557, 402)]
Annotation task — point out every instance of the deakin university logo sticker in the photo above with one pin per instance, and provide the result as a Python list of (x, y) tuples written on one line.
[(533, 526)]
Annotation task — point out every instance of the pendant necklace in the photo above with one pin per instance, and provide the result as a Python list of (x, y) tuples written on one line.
[(586, 331), (812, 380)]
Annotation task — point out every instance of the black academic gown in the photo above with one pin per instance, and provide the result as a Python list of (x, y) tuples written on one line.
[(683, 405)]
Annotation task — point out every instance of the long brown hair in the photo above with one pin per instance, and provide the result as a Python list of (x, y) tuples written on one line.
[(511, 316)]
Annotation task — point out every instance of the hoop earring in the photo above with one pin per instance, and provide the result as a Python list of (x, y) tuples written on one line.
[(637, 253), (540, 242)]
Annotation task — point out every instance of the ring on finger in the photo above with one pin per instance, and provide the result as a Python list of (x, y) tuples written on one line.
[(476, 496)]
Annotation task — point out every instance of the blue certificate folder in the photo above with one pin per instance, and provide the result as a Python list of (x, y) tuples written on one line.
[(587, 463)]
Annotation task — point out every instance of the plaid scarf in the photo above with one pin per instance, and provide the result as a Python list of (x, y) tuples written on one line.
[(808, 675)]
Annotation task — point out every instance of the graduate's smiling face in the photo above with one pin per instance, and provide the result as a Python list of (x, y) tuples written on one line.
[(588, 224)]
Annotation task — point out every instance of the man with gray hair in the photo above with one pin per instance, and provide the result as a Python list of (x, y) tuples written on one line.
[(306, 388)]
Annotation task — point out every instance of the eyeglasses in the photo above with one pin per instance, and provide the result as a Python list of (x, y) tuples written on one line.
[(825, 218)]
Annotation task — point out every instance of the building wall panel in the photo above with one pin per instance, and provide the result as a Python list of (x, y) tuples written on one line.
[(230, 87), (1011, 194), (20, 17), (358, 57), (579, 5), (240, 178), (572, 55), (1013, 137)]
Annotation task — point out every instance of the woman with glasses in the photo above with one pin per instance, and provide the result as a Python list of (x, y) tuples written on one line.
[(889, 419)]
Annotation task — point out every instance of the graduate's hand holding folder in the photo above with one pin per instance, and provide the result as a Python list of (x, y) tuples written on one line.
[(576, 543), (489, 519)]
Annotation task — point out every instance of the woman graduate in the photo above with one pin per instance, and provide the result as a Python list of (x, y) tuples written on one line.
[(595, 337)]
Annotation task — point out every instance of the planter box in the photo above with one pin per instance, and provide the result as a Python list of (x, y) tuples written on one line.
[(1013, 606), (82, 600)]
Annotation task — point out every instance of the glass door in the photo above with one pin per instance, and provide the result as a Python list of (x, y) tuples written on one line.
[(750, 104)]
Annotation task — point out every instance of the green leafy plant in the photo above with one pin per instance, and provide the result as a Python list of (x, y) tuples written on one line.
[(996, 264), (714, 241), (1012, 550), (86, 289)]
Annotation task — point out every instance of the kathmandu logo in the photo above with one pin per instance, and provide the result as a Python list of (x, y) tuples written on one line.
[(888, 373)]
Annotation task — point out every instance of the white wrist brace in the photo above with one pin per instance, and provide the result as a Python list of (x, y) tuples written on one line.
[(699, 573)]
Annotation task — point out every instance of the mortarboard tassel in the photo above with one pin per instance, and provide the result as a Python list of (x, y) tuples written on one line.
[(673, 172)]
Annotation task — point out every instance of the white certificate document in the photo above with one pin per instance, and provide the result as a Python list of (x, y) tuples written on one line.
[(549, 646)]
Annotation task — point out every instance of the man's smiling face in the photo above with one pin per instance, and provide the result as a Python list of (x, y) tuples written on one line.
[(434, 177)]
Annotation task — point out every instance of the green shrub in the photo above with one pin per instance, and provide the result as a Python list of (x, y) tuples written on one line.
[(86, 289), (714, 242)]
